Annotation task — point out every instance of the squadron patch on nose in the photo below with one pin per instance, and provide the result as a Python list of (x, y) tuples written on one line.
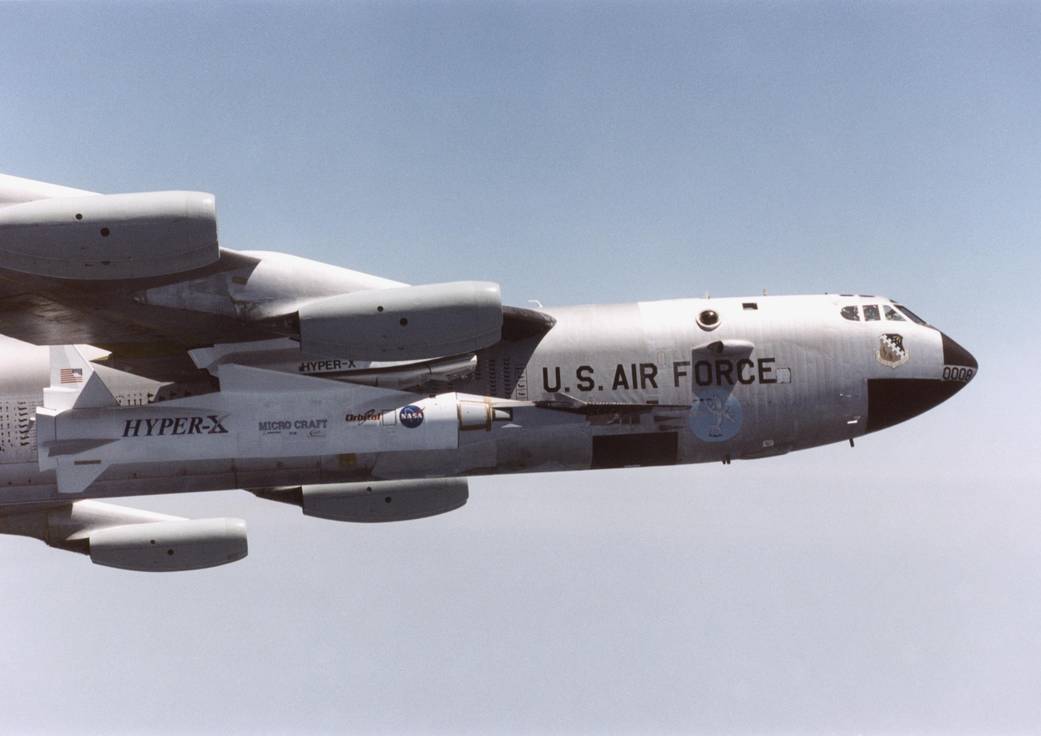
[(891, 350)]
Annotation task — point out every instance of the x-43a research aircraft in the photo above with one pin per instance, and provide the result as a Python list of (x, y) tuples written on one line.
[(140, 357)]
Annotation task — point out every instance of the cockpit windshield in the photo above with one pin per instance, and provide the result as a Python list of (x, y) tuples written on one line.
[(892, 314), (911, 315), (876, 312)]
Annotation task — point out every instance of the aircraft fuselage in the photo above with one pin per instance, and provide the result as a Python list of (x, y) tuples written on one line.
[(648, 383)]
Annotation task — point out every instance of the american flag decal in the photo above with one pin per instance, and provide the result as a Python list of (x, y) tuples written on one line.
[(71, 375)]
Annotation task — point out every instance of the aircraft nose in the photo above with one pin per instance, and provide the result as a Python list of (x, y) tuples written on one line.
[(894, 400), (959, 360)]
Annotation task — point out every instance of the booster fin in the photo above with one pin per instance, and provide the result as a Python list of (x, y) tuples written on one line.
[(95, 395), (71, 374), (74, 385), (76, 476)]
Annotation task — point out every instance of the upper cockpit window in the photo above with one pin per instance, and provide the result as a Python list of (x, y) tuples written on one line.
[(892, 314), (871, 313), (911, 315), (851, 313)]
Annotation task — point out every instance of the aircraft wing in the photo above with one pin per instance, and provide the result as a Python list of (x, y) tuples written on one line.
[(144, 339), (143, 277)]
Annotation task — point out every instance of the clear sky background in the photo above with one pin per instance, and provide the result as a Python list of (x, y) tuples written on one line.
[(578, 153)]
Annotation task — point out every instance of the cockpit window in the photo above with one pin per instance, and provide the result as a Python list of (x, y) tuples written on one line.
[(911, 315), (892, 314), (851, 313), (871, 313)]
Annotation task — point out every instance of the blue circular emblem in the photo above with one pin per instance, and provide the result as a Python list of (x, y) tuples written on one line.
[(411, 416), (715, 415)]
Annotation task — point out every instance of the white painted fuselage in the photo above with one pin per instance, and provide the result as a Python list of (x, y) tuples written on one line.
[(608, 386)]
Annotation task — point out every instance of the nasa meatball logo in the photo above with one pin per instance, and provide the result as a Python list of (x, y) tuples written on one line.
[(411, 416), (891, 350)]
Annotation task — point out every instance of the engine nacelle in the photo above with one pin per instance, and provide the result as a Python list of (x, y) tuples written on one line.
[(110, 236), (166, 546), (403, 323), (376, 501), (129, 538)]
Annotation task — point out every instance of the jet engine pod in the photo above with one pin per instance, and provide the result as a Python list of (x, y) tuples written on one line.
[(404, 323), (388, 500), (167, 546), (110, 236), (385, 500)]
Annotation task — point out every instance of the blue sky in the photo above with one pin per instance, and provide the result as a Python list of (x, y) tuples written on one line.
[(578, 153)]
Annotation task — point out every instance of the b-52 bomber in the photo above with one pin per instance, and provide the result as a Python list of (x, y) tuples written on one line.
[(140, 357)]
